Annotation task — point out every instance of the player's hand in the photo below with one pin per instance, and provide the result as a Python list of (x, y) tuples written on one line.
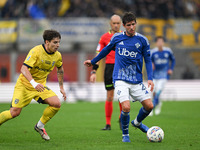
[(88, 63), (170, 72), (63, 93), (93, 78), (151, 85), (39, 87)]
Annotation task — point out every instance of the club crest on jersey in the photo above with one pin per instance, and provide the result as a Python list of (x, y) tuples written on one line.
[(166, 55), (16, 101), (119, 92), (137, 45)]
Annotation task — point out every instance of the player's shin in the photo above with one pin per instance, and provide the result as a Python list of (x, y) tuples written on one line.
[(141, 116), (48, 113), (125, 118), (108, 111), (5, 116)]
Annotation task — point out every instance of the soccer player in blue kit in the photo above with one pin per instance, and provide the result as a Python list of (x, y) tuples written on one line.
[(163, 62), (130, 49)]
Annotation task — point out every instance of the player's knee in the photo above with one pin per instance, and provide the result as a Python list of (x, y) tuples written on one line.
[(57, 104), (149, 107), (126, 108), (15, 112)]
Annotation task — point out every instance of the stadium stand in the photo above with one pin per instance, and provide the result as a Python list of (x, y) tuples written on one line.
[(164, 9)]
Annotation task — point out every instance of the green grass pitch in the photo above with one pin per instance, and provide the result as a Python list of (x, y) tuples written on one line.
[(77, 127)]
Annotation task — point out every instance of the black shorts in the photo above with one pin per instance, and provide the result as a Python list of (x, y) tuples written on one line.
[(108, 80)]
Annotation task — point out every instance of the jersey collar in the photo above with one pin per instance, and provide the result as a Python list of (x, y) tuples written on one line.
[(46, 50)]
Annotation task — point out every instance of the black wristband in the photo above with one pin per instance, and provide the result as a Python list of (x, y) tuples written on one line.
[(95, 67)]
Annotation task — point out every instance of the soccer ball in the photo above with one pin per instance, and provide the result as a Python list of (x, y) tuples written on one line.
[(155, 134)]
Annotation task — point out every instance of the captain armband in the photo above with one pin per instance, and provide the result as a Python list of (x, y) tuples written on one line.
[(95, 67)]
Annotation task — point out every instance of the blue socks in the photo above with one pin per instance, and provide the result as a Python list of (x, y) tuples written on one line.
[(142, 114), (125, 118)]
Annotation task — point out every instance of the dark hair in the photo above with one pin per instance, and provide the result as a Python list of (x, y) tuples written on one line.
[(50, 34), (128, 17), (159, 37)]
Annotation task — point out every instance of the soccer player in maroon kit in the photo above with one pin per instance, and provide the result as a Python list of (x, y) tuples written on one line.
[(115, 24)]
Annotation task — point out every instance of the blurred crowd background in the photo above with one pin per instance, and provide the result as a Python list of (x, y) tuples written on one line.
[(82, 22), (165, 9)]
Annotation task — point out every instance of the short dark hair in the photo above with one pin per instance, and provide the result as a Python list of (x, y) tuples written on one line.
[(50, 34), (128, 17), (159, 37)]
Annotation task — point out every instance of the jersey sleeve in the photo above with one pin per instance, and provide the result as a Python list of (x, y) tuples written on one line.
[(105, 51), (31, 58), (59, 62), (147, 59)]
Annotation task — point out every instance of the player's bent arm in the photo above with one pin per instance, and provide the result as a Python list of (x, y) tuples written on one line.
[(25, 71), (60, 74)]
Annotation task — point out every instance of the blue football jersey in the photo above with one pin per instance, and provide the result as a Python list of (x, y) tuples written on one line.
[(129, 54), (161, 61)]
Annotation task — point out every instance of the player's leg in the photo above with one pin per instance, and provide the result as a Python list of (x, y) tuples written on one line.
[(140, 93), (109, 109), (122, 91), (110, 94), (21, 98), (9, 114), (125, 119), (156, 101), (50, 98), (49, 112), (143, 113)]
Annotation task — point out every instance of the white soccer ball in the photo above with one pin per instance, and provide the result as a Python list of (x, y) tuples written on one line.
[(155, 134)]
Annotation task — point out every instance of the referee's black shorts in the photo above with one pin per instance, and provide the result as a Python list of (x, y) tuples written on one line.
[(108, 80)]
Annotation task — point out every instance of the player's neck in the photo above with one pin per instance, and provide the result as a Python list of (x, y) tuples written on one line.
[(160, 48), (113, 32), (47, 50)]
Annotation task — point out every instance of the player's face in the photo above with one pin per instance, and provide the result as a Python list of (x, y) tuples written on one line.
[(130, 28), (53, 45), (115, 24), (160, 43)]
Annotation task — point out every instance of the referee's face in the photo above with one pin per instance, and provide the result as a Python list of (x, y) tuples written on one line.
[(115, 23), (53, 45), (130, 28)]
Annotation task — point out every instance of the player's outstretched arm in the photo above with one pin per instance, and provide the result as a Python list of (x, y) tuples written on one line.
[(60, 74), (24, 70)]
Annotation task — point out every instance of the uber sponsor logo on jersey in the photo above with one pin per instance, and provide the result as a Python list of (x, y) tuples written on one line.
[(125, 52), (47, 62)]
